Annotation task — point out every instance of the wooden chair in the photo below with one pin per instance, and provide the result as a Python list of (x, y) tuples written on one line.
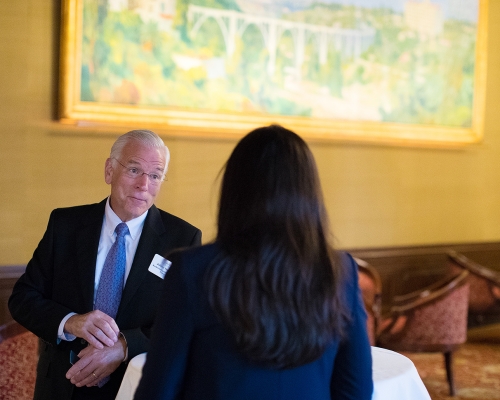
[(433, 319), (18, 359), (371, 289), (484, 298)]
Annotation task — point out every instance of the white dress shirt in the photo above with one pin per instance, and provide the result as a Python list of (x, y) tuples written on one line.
[(108, 237)]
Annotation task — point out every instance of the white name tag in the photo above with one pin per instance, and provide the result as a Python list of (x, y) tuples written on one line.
[(159, 266)]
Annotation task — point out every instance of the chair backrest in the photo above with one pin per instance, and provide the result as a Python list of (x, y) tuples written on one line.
[(371, 289), (432, 319), (18, 359), (484, 282)]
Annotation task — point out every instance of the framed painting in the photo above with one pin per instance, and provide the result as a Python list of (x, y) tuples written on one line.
[(409, 72)]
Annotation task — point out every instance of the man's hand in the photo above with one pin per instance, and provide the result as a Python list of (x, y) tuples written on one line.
[(96, 364), (97, 328)]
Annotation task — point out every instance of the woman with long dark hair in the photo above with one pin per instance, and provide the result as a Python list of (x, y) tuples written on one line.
[(269, 310)]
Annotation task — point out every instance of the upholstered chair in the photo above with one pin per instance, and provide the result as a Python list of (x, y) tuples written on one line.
[(433, 319), (371, 289), (484, 298)]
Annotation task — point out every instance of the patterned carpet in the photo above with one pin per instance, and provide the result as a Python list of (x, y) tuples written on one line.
[(18, 368), (476, 370)]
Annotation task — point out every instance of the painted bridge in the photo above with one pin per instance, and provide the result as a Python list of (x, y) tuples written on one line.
[(350, 42)]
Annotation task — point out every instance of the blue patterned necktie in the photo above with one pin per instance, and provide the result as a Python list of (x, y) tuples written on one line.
[(109, 291)]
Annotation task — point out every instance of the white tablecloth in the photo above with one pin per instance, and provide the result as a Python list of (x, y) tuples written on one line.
[(131, 378), (394, 377)]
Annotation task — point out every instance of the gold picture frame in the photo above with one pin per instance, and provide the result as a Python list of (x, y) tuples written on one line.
[(206, 122)]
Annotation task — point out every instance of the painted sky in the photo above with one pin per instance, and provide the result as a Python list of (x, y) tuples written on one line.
[(458, 9), (461, 9)]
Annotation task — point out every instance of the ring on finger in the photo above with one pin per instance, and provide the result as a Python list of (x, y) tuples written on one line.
[(95, 376)]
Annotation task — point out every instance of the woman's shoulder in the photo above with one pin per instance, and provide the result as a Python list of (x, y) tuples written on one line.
[(195, 258), (206, 251), (348, 273), (349, 266)]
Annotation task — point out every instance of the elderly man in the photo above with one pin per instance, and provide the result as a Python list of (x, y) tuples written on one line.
[(91, 289)]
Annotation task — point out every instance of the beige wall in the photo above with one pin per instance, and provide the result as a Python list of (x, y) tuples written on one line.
[(376, 195)]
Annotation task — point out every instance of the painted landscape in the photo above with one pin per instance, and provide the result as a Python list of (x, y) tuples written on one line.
[(390, 61)]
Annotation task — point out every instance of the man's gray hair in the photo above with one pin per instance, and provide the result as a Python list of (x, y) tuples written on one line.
[(147, 138)]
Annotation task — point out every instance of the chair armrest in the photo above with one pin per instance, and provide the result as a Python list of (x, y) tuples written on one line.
[(428, 294)]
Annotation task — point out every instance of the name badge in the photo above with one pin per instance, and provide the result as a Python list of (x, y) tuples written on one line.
[(159, 266)]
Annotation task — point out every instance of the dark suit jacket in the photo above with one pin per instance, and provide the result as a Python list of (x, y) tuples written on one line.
[(194, 357), (59, 279)]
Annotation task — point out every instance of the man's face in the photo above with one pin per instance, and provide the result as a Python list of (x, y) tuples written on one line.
[(132, 197)]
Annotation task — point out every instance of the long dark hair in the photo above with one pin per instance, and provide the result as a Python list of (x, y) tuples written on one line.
[(275, 284)]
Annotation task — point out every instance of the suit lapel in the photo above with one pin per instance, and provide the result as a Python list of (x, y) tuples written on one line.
[(148, 245), (87, 245)]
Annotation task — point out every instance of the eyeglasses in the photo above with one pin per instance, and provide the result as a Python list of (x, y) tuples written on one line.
[(135, 172)]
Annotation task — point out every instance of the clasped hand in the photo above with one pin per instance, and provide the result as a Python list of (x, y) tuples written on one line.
[(104, 353), (96, 327)]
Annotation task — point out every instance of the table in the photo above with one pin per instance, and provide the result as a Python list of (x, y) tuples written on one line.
[(131, 378), (394, 377)]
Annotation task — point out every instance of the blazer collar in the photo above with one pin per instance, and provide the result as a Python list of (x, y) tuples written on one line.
[(87, 245), (146, 249)]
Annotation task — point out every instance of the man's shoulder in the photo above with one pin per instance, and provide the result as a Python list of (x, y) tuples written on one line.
[(174, 221), (78, 211)]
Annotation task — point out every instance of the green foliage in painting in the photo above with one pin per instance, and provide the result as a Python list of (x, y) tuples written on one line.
[(396, 74)]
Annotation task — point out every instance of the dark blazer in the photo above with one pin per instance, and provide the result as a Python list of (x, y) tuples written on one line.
[(193, 356), (59, 279)]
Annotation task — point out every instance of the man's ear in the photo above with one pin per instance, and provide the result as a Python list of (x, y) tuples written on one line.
[(108, 171)]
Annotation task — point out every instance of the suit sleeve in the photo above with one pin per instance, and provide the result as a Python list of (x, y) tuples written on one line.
[(30, 302), (352, 373), (170, 340)]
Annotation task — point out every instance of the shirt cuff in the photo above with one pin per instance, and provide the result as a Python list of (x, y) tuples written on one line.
[(120, 334), (60, 332)]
